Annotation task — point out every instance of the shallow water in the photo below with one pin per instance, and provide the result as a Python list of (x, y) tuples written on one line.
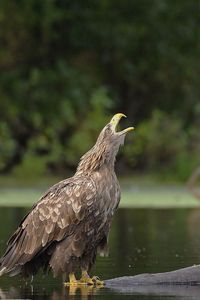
[(141, 240)]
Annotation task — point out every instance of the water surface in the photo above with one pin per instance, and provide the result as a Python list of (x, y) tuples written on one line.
[(141, 241)]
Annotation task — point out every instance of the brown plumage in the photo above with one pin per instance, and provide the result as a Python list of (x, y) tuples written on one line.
[(68, 224)]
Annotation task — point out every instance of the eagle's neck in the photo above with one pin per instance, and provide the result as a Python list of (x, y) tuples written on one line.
[(95, 159)]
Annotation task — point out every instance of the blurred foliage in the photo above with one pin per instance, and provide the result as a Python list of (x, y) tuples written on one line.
[(162, 144), (67, 66)]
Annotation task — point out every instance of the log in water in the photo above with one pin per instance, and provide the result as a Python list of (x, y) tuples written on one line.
[(185, 276), (180, 282)]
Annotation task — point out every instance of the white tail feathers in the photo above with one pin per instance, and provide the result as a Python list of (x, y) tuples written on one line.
[(2, 271)]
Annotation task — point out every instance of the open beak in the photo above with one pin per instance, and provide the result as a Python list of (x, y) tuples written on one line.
[(115, 121)]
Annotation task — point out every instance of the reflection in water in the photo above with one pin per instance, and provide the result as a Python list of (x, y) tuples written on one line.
[(88, 292), (193, 222), (83, 292), (160, 290), (141, 241), (12, 293)]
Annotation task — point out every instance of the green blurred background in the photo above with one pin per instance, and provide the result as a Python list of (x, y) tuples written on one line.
[(68, 66), (65, 68)]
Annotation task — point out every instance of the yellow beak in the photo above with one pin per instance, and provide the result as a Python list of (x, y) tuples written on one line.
[(115, 120)]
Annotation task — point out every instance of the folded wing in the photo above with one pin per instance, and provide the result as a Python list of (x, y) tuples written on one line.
[(55, 216)]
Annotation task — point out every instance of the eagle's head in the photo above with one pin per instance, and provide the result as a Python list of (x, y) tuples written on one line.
[(106, 147), (109, 135)]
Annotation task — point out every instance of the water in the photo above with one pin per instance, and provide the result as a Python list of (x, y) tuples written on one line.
[(141, 241)]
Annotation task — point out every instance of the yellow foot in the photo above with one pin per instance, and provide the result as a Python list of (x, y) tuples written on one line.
[(85, 279), (72, 280), (97, 281)]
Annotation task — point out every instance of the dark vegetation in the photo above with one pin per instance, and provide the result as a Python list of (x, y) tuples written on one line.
[(67, 66)]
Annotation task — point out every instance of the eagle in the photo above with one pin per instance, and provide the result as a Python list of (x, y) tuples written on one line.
[(69, 224)]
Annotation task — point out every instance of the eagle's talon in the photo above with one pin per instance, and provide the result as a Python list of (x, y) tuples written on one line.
[(97, 280), (94, 278), (86, 279)]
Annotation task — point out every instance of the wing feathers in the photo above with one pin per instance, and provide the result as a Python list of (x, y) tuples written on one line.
[(53, 218)]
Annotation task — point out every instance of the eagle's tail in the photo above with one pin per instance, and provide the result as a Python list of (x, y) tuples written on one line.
[(10, 261), (6, 267), (2, 268), (2, 271), (13, 262)]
